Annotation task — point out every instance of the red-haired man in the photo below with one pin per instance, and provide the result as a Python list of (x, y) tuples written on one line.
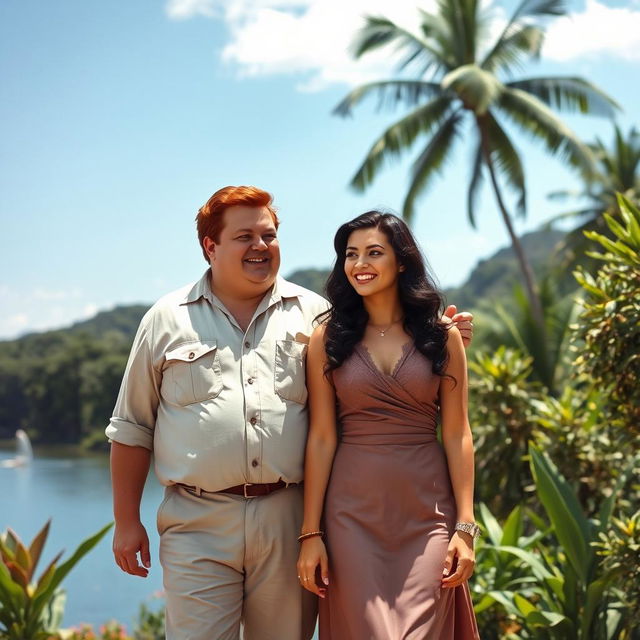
[(215, 388)]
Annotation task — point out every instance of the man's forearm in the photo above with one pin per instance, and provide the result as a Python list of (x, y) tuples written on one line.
[(129, 470)]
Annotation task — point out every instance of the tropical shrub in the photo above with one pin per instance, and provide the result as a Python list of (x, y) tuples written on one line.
[(608, 333), (503, 420), (32, 609)]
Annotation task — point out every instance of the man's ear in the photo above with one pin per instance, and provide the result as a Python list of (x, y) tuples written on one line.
[(209, 246)]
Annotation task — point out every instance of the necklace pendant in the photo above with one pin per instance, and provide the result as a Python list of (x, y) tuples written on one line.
[(382, 334)]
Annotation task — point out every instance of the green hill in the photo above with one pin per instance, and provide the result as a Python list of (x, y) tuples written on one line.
[(61, 385)]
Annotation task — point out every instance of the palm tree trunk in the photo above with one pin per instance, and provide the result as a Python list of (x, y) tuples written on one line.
[(525, 267)]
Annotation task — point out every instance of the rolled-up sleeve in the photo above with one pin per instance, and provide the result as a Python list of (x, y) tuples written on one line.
[(134, 416)]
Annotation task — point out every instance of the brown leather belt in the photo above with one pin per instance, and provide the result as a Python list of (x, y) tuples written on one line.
[(247, 490)]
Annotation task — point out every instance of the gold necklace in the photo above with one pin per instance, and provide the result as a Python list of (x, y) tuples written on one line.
[(383, 331)]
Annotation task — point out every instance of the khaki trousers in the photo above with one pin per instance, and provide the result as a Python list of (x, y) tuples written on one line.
[(229, 560)]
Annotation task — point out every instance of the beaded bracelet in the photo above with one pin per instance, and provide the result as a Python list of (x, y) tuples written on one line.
[(311, 534)]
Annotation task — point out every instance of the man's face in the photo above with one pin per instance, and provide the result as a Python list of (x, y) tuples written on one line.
[(246, 259)]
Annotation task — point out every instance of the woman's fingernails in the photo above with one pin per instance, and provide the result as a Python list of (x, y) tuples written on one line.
[(326, 581)]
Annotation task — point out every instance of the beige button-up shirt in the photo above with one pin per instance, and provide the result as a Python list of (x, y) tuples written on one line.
[(217, 405)]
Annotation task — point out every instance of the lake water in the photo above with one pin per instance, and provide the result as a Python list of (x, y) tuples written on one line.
[(75, 492)]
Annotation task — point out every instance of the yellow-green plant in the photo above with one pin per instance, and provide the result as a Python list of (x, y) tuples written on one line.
[(30, 608)]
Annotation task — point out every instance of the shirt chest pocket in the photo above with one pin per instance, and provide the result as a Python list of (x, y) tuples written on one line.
[(192, 373), (289, 374)]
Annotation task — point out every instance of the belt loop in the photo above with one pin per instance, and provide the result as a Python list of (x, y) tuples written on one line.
[(197, 491)]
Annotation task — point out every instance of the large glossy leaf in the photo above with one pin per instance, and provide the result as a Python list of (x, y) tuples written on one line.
[(61, 572), (512, 529), (491, 525), (593, 600), (530, 559), (571, 527)]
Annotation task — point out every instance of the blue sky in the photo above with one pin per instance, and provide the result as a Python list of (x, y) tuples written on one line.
[(118, 120)]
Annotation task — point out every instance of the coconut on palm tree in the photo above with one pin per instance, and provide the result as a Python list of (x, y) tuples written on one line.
[(464, 79)]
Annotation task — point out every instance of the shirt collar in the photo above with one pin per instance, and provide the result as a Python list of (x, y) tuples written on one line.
[(280, 290)]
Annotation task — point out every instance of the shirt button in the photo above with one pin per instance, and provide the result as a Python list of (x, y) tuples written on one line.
[(192, 355), (250, 380), (254, 463), (247, 345), (253, 420)]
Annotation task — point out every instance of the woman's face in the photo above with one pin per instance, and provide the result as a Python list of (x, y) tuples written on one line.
[(370, 262)]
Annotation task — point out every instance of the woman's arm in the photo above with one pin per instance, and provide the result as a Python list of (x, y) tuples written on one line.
[(321, 447), (458, 445)]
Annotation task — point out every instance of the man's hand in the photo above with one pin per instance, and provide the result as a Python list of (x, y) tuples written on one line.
[(462, 320), (129, 540)]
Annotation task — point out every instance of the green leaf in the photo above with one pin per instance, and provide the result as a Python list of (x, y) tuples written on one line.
[(530, 559), (569, 93), (60, 573), (399, 137), (524, 606), (390, 93), (571, 527), (490, 524), (545, 619), (512, 529), (430, 162), (36, 547)]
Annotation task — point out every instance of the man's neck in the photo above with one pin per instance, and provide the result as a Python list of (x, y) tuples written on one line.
[(241, 306)]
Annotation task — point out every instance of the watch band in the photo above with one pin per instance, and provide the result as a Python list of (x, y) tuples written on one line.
[(469, 527)]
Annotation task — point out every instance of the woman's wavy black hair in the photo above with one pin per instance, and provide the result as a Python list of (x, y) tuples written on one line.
[(421, 301)]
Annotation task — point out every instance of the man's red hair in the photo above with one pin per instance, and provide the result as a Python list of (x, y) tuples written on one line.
[(210, 218)]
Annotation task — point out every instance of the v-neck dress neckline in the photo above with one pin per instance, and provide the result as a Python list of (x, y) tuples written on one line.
[(407, 349)]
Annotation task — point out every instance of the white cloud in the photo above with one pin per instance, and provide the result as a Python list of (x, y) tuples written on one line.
[(182, 9), (306, 37), (311, 38), (598, 30)]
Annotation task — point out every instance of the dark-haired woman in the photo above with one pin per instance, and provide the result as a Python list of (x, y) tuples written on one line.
[(382, 368)]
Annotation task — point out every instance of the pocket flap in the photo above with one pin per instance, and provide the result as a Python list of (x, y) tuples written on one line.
[(191, 351)]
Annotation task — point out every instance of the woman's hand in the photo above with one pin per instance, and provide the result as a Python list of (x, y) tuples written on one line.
[(460, 549), (313, 554)]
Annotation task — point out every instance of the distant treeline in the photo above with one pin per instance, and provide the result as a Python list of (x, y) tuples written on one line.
[(60, 386)]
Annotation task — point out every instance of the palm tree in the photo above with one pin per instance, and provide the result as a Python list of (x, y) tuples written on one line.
[(618, 172), (459, 82)]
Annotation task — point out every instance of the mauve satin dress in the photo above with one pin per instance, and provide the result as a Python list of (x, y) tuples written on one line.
[(390, 510)]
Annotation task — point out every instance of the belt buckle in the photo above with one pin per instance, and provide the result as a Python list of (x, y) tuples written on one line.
[(244, 487)]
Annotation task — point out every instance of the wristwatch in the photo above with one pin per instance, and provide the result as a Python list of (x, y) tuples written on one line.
[(469, 527)]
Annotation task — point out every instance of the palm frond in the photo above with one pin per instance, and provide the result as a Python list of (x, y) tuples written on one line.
[(379, 32), (390, 93), (514, 49), (506, 159), (399, 137), (475, 184), (569, 93), (430, 162), (535, 118)]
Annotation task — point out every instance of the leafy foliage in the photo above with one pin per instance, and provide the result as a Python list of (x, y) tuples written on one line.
[(32, 609), (610, 321)]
